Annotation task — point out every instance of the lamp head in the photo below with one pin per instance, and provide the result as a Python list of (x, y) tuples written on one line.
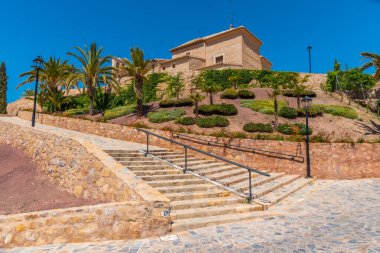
[(306, 102), (38, 62)]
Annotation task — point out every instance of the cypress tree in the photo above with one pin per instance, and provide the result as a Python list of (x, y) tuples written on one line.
[(3, 89)]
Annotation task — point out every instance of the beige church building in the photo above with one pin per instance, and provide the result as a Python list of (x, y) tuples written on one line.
[(235, 48)]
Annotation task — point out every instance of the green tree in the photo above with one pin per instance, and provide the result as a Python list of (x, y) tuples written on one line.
[(206, 84), (299, 88), (235, 80), (374, 62), (3, 88), (137, 69), (52, 81), (196, 97), (94, 71), (175, 86)]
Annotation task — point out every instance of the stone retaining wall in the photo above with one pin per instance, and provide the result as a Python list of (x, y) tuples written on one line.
[(83, 170), (112, 221), (328, 160)]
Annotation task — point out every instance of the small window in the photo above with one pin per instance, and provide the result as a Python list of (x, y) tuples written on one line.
[(219, 59), (163, 68), (173, 66)]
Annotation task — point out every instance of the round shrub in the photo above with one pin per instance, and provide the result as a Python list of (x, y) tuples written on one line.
[(288, 112), (186, 121), (291, 93), (219, 109), (229, 94), (183, 102), (213, 121), (246, 94), (165, 115), (166, 103), (293, 129), (314, 111), (258, 127)]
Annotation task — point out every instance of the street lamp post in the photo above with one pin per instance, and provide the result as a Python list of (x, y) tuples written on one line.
[(309, 49), (37, 63), (306, 102)]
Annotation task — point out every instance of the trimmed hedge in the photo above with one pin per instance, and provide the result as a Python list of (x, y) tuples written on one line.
[(293, 129), (314, 111), (291, 93), (246, 94), (288, 112), (219, 109), (264, 105), (165, 115), (337, 110), (186, 121), (213, 121), (229, 94), (118, 112), (258, 127), (176, 103)]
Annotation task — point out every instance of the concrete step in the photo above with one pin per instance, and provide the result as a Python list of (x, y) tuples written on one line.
[(241, 177), (137, 154), (227, 174), (195, 162), (167, 177), (256, 181), (148, 167), (285, 191), (121, 151), (132, 158), (170, 156), (141, 163), (156, 172), (187, 224), (182, 159), (178, 182), (214, 210), (160, 153), (214, 193), (210, 171), (197, 203), (185, 188), (199, 167), (264, 189)]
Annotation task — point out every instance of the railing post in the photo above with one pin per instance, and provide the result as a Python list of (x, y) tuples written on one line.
[(250, 186), (147, 144), (184, 171)]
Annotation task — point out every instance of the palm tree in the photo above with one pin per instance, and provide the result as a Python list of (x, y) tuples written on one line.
[(94, 71), (207, 85), (53, 78), (299, 88), (137, 69), (374, 62)]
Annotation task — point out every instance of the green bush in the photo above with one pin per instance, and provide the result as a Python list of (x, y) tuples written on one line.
[(293, 129), (165, 115), (246, 94), (73, 112), (229, 94), (258, 127), (264, 106), (287, 112), (186, 121), (337, 110), (118, 111), (314, 111), (213, 121), (219, 109), (177, 103), (291, 93)]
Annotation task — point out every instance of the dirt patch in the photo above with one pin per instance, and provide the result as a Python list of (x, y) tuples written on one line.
[(23, 188)]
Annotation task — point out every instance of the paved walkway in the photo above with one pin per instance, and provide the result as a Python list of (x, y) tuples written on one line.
[(329, 216), (101, 142)]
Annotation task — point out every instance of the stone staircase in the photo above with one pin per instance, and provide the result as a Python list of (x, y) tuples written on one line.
[(212, 192)]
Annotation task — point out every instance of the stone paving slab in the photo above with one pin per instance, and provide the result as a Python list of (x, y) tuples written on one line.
[(328, 216), (102, 142)]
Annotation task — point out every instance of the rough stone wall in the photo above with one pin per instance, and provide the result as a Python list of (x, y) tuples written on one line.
[(196, 50), (83, 170), (251, 54), (328, 161), (230, 46), (112, 221)]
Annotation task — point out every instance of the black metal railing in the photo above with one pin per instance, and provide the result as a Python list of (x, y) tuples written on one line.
[(269, 153), (186, 147)]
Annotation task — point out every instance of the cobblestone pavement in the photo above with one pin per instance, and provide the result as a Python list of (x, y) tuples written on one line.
[(102, 142), (329, 216)]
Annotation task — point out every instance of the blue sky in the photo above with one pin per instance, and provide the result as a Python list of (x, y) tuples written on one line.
[(339, 29)]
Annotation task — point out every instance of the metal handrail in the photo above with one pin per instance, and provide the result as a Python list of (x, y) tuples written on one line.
[(185, 146), (240, 148)]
